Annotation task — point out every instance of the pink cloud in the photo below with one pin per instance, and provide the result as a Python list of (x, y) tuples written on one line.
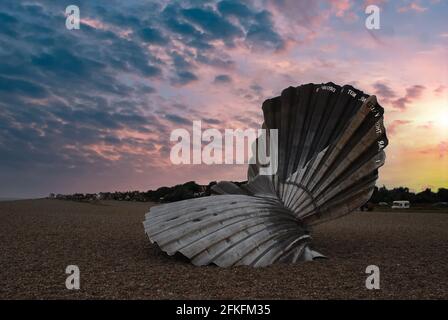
[(428, 125), (303, 13), (375, 2), (94, 23), (413, 6), (440, 89), (340, 7), (441, 149), (392, 128)]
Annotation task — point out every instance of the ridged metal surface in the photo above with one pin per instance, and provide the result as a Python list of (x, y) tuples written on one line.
[(331, 142)]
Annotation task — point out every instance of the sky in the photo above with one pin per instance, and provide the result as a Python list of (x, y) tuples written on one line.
[(92, 110)]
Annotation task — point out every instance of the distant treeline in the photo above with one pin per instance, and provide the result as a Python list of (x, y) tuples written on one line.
[(191, 190), (402, 193), (179, 192)]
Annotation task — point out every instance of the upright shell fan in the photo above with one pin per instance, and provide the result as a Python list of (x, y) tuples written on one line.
[(330, 146)]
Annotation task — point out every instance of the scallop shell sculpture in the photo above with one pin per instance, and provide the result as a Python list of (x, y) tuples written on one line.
[(330, 146)]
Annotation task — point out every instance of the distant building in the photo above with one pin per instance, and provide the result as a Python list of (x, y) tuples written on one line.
[(403, 204)]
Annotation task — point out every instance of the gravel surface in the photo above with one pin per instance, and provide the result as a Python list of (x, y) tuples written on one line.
[(39, 238)]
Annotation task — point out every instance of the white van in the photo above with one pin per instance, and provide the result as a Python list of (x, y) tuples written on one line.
[(404, 204)]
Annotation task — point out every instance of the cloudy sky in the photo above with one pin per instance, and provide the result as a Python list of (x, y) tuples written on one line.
[(92, 109)]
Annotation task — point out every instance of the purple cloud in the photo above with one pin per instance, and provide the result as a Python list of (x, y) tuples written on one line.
[(412, 94)]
